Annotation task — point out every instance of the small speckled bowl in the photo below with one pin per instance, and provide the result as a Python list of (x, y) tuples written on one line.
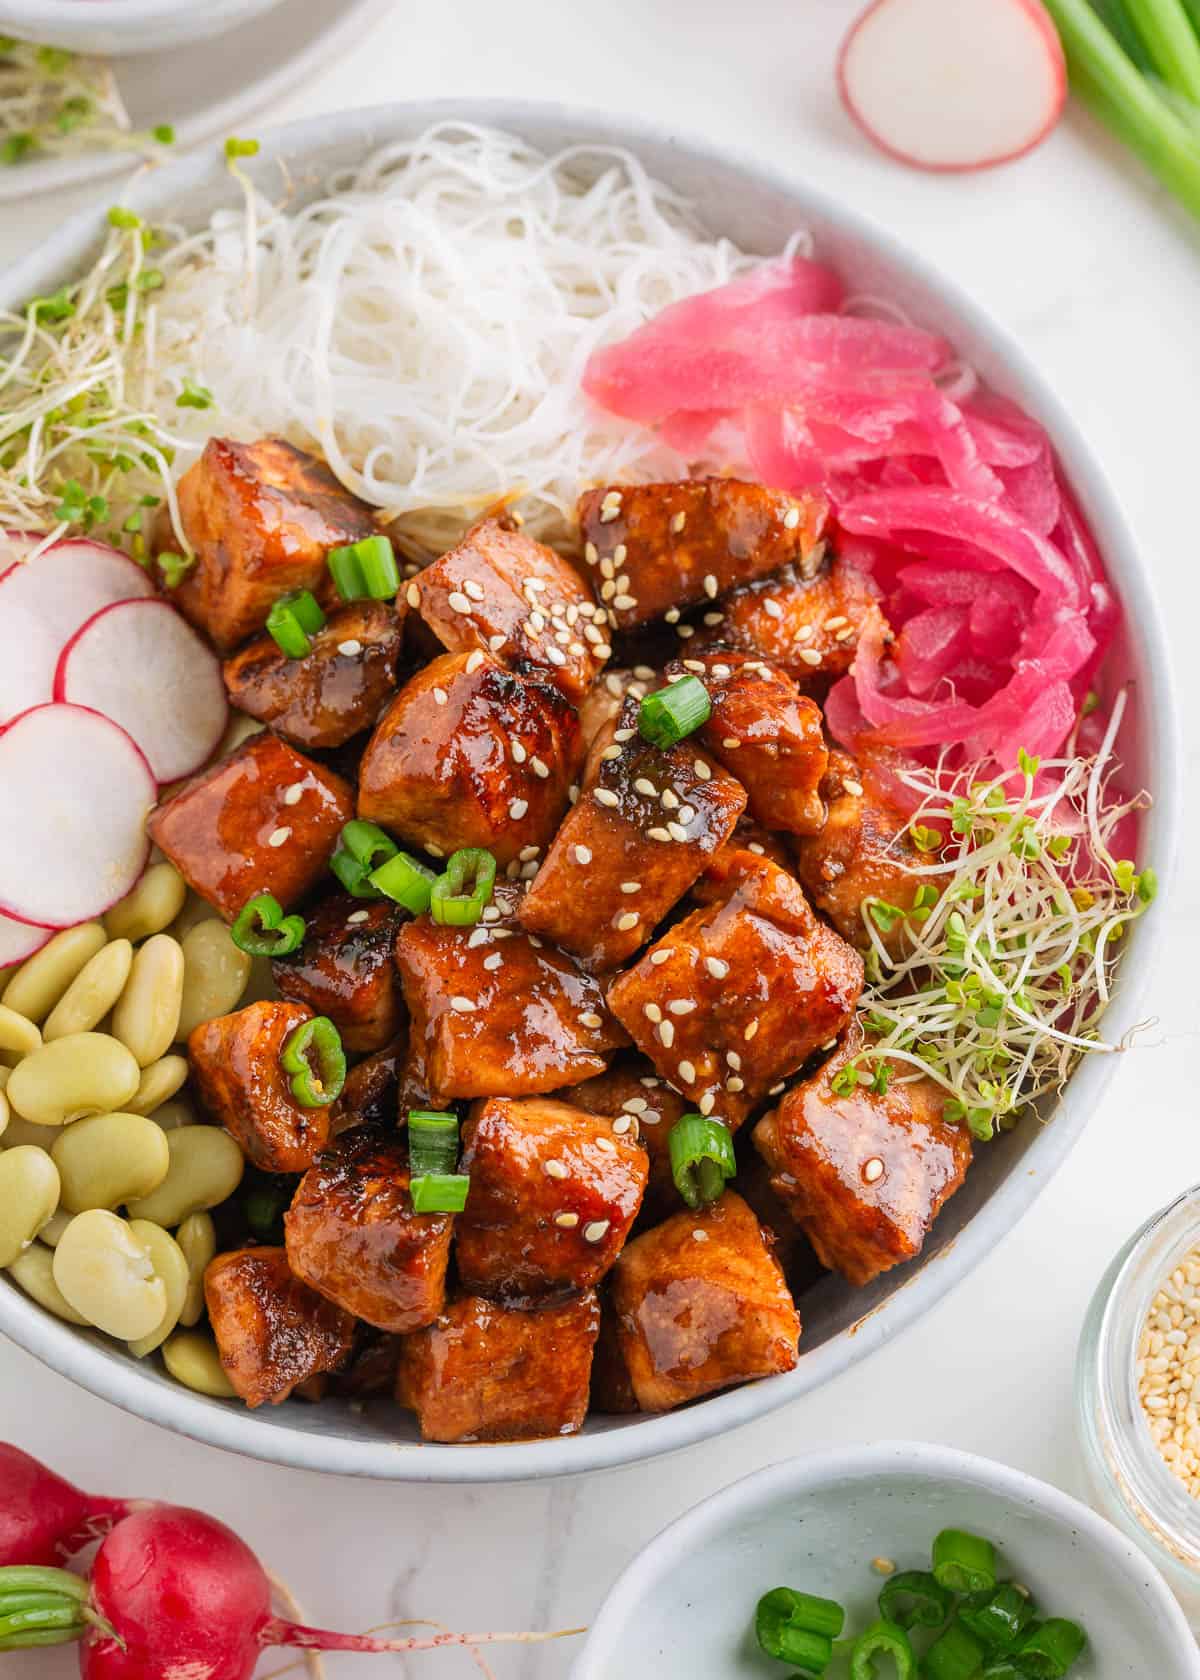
[(683, 1609)]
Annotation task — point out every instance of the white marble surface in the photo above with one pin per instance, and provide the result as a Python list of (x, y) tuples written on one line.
[(1078, 255)]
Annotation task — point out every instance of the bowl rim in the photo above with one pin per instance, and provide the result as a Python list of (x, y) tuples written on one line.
[(121, 15), (62, 1347), (713, 1516)]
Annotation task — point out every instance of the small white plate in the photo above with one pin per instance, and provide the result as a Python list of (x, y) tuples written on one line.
[(207, 89)]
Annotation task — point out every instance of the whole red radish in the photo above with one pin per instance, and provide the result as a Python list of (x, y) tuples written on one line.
[(184, 1597), (43, 1519), (953, 84)]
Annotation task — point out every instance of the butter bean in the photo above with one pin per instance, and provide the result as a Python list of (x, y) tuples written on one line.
[(92, 993), (39, 983), (146, 1016)]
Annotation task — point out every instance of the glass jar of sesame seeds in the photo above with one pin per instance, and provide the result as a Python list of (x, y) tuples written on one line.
[(1137, 1372)]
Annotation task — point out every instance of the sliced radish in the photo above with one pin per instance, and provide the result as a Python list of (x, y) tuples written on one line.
[(142, 665), (77, 792), (953, 84), (42, 604), (19, 940)]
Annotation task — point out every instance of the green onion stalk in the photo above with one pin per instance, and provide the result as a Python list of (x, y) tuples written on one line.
[(1139, 97), (1001, 971)]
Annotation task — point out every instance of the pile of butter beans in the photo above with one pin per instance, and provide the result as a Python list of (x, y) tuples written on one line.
[(107, 1174)]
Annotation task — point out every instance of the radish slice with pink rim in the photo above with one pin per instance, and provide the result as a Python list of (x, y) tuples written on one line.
[(142, 665), (42, 604), (953, 84), (20, 941), (77, 792)]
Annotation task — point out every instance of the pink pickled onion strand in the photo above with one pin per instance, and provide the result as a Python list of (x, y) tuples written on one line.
[(955, 507)]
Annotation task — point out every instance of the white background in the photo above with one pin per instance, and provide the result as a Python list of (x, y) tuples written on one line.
[(1079, 256)]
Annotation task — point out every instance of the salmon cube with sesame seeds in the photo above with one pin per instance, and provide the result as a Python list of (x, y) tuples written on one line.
[(640, 1105), (273, 1332), (863, 853), (554, 1191), (488, 1370), (336, 691), (518, 600), (656, 548), (496, 1011), (808, 626), (739, 993), (261, 518), (344, 969), (767, 734), (863, 1157), (352, 1234), (701, 1303), (469, 754), (603, 701), (265, 819), (646, 822), (235, 1064)]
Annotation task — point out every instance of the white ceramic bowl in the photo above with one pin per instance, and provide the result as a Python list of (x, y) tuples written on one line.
[(117, 28), (683, 1608), (759, 207)]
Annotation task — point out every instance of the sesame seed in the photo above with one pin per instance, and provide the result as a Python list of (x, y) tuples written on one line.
[(608, 514), (710, 586), (670, 799), (606, 1146), (563, 638), (627, 922), (527, 853), (440, 696), (703, 773), (462, 1005), (731, 743), (722, 671), (474, 662), (681, 1006), (734, 1060), (280, 837), (479, 936), (610, 753), (836, 622), (357, 916), (625, 603), (413, 595), (772, 608), (577, 649), (791, 518), (672, 615), (458, 602), (716, 967), (693, 664), (651, 1011), (677, 831), (492, 962), (293, 795), (777, 1090), (614, 686), (473, 589), (644, 785), (619, 554), (657, 834), (883, 1566), (607, 570), (810, 656), (528, 871), (596, 1231), (603, 650), (591, 1020), (573, 793), (699, 1236), (624, 735), (517, 808), (853, 788), (713, 619), (873, 1171), (666, 1033), (492, 913), (622, 1124), (583, 855), (605, 796), (805, 633), (735, 1083), (589, 553), (707, 1103), (678, 522), (496, 642), (556, 656), (539, 767), (350, 648), (755, 847), (685, 631), (686, 814), (567, 1221), (750, 1032), (534, 585), (592, 635), (635, 1105), (554, 1169), (687, 1073), (629, 887)]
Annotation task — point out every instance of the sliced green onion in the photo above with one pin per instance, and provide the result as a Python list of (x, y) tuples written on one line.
[(795, 1627), (262, 930), (964, 1563), (432, 1142), (954, 1655), (405, 881), (291, 621), (1001, 1619), (1001, 1668), (314, 1057), (670, 714), (1170, 40), (448, 903), (366, 570), (361, 848), (914, 1599), (702, 1160), (1049, 1650), (439, 1192), (885, 1640)]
